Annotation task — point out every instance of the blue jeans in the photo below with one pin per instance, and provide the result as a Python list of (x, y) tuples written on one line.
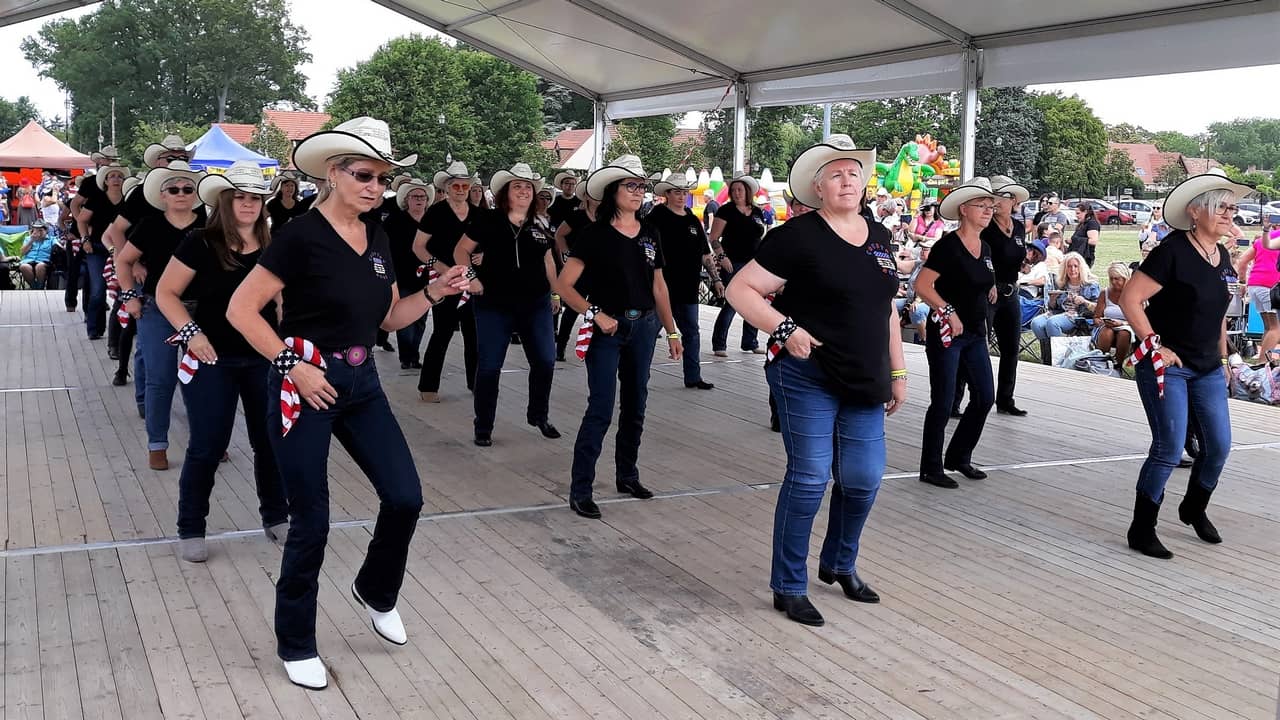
[(161, 373), (686, 316), (824, 438), (720, 333), (969, 349), (409, 340), (211, 408), (1046, 326), (621, 358), (95, 311), (361, 420), (1203, 395), (495, 322)]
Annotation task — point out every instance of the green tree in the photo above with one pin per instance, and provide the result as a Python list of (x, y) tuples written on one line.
[(1065, 171), (146, 133), (649, 138), (1118, 173), (1071, 126), (774, 137), (1126, 133), (272, 142), (1008, 136), (1171, 173), (1173, 141), (504, 102), (563, 109), (887, 125), (14, 115), (1246, 142)]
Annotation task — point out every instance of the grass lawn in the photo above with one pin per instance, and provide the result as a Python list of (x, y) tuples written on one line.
[(1113, 245)]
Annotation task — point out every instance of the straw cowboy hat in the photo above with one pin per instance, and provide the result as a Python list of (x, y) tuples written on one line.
[(562, 175), (399, 180), (580, 192), (103, 172), (363, 136), (130, 183), (1002, 184), (170, 143), (105, 156), (157, 178), (623, 167), (971, 189), (753, 185), (1175, 204), (674, 181), (457, 170), (408, 186), (519, 171), (292, 176), (815, 157), (243, 175)]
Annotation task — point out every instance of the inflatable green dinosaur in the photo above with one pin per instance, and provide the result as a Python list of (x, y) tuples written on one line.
[(902, 175)]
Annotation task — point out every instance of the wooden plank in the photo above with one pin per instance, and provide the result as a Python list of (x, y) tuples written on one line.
[(23, 689), (57, 654)]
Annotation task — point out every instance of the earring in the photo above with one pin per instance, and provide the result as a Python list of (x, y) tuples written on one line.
[(331, 185)]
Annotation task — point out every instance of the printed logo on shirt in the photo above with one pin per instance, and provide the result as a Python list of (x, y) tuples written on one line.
[(1229, 278), (650, 251), (883, 258), (539, 236), (693, 230), (379, 265), (987, 261)]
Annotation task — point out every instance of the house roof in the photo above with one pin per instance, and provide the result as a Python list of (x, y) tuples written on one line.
[(296, 125), (1199, 166), (240, 132), (1148, 160)]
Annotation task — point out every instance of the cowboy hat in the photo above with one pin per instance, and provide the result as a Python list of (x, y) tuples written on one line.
[(243, 175), (1176, 202), (971, 189), (408, 186), (170, 143), (457, 170), (129, 184), (1001, 184), (563, 175), (814, 158), (157, 178), (292, 176), (753, 185), (105, 156), (623, 167), (674, 181), (580, 192), (103, 172), (519, 171), (37, 224), (399, 180), (363, 136)]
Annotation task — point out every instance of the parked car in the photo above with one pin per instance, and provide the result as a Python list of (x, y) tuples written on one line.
[(1105, 212), (1139, 209), (1249, 213)]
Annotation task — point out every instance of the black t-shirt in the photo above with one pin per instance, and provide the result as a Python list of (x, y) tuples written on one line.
[(561, 209), (89, 189), (388, 209), (619, 269), (963, 280), (211, 290), (1007, 252), (281, 215), (136, 209), (401, 229), (332, 296), (1080, 240), (684, 243), (1187, 313), (840, 294), (156, 239), (445, 229), (576, 220), (104, 213), (514, 268), (741, 234)]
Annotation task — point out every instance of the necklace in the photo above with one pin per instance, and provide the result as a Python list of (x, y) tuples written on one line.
[(1210, 256)]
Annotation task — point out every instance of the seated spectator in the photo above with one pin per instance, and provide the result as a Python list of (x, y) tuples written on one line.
[(1147, 246), (1071, 294), (1111, 332), (1053, 252), (912, 311), (927, 225), (36, 255)]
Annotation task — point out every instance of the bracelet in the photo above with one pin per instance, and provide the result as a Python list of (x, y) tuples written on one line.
[(470, 274), (590, 314), (1225, 362), (900, 374), (555, 297), (720, 256), (430, 299), (188, 331), (784, 331), (674, 336), (946, 311), (127, 295), (286, 360)]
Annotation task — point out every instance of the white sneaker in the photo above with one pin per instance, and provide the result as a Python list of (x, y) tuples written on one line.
[(309, 673), (386, 624)]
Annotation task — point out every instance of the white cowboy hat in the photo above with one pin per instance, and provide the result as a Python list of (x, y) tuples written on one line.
[(1001, 184), (399, 180), (408, 186), (362, 136), (243, 175), (519, 171), (674, 181), (457, 170), (580, 192), (103, 172), (157, 178), (105, 156), (562, 175), (1176, 202), (292, 176), (623, 167), (170, 143), (815, 157), (753, 185), (129, 185), (971, 189)]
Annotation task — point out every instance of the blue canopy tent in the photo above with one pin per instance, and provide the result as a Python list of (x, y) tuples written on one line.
[(215, 151)]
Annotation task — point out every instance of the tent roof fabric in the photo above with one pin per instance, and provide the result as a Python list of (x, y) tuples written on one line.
[(35, 147), (215, 149)]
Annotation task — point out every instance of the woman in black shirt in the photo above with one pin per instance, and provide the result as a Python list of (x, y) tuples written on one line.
[(334, 269), (413, 197), (151, 244), (567, 183), (99, 212), (619, 261), (219, 365), (735, 235), (512, 293), (1085, 239), (835, 365), (566, 234), (1177, 304), (286, 204), (958, 283), (1005, 237), (442, 226)]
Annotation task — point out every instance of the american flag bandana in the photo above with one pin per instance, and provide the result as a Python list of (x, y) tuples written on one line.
[(430, 269), (1150, 347), (190, 363), (113, 282), (944, 328), (584, 339), (290, 403)]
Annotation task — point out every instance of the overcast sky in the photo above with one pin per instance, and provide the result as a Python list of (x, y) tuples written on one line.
[(342, 39)]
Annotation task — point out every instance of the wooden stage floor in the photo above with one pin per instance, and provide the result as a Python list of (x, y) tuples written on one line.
[(1013, 597)]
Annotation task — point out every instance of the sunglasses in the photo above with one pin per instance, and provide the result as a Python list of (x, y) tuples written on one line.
[(635, 187), (171, 158), (181, 190), (364, 177)]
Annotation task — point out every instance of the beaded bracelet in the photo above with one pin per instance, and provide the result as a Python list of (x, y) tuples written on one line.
[(188, 331), (430, 263), (286, 360), (433, 301), (784, 331)]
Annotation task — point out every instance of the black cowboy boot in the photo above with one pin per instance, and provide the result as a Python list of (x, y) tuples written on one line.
[(1142, 532), (1191, 512)]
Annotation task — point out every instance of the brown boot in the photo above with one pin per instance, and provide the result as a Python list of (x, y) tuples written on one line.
[(158, 460)]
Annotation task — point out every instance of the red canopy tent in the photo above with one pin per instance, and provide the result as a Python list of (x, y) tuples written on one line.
[(35, 147)]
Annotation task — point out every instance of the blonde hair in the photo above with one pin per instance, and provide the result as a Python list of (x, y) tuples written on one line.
[(1086, 273), (1119, 268), (342, 162)]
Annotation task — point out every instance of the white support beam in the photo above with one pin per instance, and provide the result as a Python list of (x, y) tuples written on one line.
[(513, 5), (740, 127), (969, 117), (599, 138), (639, 27), (35, 11), (928, 20)]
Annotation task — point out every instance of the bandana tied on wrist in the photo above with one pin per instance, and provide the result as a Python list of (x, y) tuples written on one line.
[(466, 294), (429, 268), (290, 403), (778, 338), (113, 282), (586, 332), (190, 363), (941, 316), (1150, 347)]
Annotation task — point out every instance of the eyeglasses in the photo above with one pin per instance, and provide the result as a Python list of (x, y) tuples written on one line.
[(171, 158), (364, 177), (460, 186), (983, 208), (183, 190), (635, 187), (1228, 209)]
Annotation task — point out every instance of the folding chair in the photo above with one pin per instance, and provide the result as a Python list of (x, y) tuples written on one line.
[(1028, 345)]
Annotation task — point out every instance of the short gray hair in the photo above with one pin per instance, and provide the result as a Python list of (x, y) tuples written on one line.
[(1210, 200)]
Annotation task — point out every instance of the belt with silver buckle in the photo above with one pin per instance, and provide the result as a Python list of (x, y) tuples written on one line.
[(1006, 289), (355, 356)]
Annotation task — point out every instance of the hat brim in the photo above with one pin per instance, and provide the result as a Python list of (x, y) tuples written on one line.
[(402, 193), (130, 184), (753, 185), (211, 187), (311, 155), (809, 162), (101, 176), (1175, 203), (1020, 193), (666, 186), (281, 178), (560, 176), (949, 208), (502, 177), (159, 176), (152, 154), (602, 178)]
